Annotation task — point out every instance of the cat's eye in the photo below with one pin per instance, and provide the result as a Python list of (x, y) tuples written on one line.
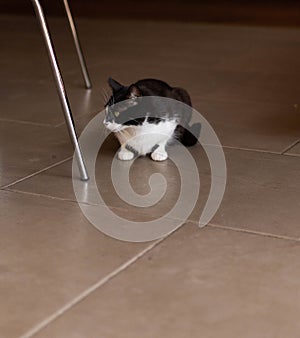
[(116, 113)]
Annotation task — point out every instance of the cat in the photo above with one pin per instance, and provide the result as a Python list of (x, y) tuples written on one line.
[(140, 134)]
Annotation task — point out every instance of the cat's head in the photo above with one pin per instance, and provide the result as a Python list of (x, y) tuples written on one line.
[(119, 106)]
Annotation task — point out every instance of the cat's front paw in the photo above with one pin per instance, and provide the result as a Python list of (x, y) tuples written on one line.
[(159, 156), (125, 155)]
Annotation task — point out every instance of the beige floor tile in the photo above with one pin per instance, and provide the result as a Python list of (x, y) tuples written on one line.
[(26, 149), (210, 283), (21, 35), (258, 87), (29, 93), (216, 63), (49, 255), (57, 182), (264, 50), (261, 126), (38, 103), (261, 194)]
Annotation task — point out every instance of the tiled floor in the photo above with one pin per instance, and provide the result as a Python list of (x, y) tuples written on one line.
[(239, 276)]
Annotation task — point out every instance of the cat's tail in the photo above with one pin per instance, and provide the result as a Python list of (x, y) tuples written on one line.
[(188, 137)]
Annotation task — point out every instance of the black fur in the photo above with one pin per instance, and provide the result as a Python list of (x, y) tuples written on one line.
[(152, 87)]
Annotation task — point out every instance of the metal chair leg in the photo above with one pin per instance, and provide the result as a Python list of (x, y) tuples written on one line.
[(61, 89), (82, 62)]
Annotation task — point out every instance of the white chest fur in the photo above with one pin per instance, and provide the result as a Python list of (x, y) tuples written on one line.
[(143, 138)]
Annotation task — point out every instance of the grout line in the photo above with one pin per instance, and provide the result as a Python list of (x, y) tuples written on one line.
[(59, 124), (36, 173), (90, 290), (227, 100), (292, 155), (290, 147), (254, 232), (253, 150), (30, 193), (90, 114), (27, 123), (249, 231), (266, 151), (74, 201)]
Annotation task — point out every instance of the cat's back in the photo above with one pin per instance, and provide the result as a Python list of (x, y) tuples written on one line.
[(154, 87)]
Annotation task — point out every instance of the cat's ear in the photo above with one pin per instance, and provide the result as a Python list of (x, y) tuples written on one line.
[(114, 85), (134, 91)]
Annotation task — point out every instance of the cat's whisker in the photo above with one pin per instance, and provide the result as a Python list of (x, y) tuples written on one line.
[(105, 97), (106, 94)]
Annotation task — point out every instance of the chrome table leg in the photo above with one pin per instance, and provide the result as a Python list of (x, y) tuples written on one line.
[(82, 62), (61, 89)]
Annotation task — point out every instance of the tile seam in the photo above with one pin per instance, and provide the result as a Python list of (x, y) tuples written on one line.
[(254, 232), (290, 147), (30, 123), (253, 150), (224, 227), (35, 173)]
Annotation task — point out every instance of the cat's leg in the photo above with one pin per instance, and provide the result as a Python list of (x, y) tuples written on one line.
[(159, 154), (124, 154)]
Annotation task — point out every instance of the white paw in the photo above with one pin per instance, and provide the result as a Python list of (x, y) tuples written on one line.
[(159, 156), (125, 155)]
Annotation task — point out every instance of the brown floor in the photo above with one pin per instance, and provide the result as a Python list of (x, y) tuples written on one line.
[(239, 276)]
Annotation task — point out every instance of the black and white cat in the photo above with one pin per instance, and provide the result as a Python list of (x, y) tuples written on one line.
[(140, 134)]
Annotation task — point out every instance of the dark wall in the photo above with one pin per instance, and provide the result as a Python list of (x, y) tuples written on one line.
[(265, 12)]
